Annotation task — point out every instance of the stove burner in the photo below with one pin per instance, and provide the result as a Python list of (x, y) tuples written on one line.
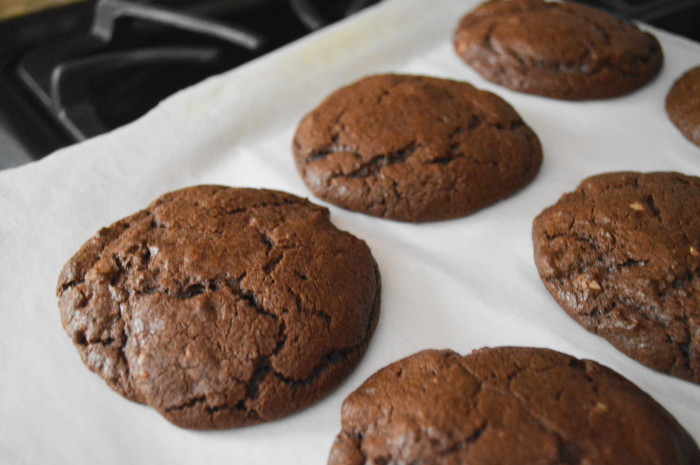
[(129, 55), (108, 11), (62, 79)]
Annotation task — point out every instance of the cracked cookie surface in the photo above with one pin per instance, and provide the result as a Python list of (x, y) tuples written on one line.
[(558, 50), (503, 406), (222, 307), (621, 255), (683, 104), (415, 148)]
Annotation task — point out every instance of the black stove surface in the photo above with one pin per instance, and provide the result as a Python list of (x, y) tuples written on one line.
[(71, 73), (77, 71)]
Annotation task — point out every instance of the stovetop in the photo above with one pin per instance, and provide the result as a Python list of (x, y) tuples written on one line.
[(73, 72)]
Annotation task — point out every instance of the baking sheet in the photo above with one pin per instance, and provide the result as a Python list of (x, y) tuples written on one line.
[(459, 284)]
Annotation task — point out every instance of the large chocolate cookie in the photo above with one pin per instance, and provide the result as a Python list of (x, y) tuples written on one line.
[(506, 406), (560, 50), (222, 307), (415, 148), (621, 255), (683, 105)]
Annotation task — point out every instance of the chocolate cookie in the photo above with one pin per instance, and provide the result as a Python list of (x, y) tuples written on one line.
[(508, 405), (415, 148), (222, 307), (683, 105), (559, 50), (621, 255)]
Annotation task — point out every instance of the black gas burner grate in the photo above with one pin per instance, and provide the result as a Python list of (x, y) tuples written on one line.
[(119, 70), (116, 59)]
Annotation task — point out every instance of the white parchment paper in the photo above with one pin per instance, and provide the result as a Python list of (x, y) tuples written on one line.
[(459, 284)]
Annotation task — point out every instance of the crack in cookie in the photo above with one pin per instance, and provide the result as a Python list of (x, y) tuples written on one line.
[(222, 307), (507, 405), (415, 148), (559, 50)]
